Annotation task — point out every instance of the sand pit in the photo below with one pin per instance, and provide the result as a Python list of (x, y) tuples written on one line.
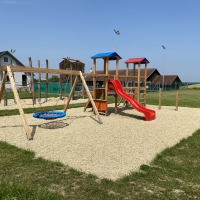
[(111, 150)]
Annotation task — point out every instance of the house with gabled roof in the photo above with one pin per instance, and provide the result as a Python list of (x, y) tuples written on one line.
[(152, 73), (21, 78), (170, 81), (154, 78)]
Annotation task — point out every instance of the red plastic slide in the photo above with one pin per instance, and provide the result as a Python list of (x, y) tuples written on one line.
[(117, 86)]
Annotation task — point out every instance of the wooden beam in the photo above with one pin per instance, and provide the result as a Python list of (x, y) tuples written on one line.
[(106, 84), (25, 124), (145, 84), (122, 76), (39, 83), (134, 72), (117, 69), (41, 70), (90, 97), (176, 101), (127, 67), (102, 75), (94, 78), (71, 93), (160, 98), (32, 82), (138, 94), (47, 84), (3, 85)]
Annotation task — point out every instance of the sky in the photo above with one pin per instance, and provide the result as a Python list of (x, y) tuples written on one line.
[(79, 29)]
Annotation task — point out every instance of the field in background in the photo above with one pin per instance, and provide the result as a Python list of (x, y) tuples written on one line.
[(194, 86), (186, 98)]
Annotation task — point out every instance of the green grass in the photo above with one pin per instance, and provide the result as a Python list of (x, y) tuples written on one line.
[(187, 98), (173, 174), (28, 95)]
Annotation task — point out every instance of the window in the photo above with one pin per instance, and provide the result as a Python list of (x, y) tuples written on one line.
[(5, 59)]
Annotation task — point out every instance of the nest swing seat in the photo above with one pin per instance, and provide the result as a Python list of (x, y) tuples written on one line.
[(49, 115)]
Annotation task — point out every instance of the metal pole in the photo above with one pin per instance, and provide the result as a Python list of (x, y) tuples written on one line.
[(117, 33), (163, 67)]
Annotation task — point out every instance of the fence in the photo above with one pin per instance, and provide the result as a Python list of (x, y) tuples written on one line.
[(174, 86), (53, 88)]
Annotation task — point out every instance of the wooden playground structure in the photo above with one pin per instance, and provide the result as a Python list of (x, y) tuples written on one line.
[(100, 95), (98, 98), (70, 64)]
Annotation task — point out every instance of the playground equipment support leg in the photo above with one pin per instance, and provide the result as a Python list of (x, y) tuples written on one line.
[(25, 124)]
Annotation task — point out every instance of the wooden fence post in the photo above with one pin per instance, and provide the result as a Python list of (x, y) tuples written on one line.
[(32, 82), (39, 83), (160, 98), (176, 101), (47, 86)]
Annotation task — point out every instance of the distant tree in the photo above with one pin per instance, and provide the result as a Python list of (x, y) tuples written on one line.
[(54, 78)]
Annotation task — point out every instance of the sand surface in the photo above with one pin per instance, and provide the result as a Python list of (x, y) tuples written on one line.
[(109, 150)]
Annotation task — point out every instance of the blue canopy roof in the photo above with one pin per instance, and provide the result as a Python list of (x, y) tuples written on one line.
[(109, 55)]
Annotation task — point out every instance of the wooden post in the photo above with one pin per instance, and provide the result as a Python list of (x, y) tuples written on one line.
[(106, 86), (71, 93), (14, 80), (116, 77), (104, 83), (5, 97), (177, 101), (160, 98), (94, 78), (83, 93), (134, 90), (1, 73), (60, 82), (90, 97), (145, 84), (32, 82), (47, 85), (127, 67), (138, 94), (117, 69), (71, 80), (3, 83), (61, 92), (39, 82), (3, 89), (25, 124), (134, 74)]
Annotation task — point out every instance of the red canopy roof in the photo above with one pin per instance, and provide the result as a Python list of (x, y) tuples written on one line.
[(137, 60)]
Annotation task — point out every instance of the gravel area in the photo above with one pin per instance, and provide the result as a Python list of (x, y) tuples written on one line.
[(109, 150)]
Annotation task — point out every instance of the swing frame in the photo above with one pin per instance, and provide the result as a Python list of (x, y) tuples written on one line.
[(8, 71)]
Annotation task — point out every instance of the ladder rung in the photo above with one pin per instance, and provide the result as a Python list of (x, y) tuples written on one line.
[(130, 87)]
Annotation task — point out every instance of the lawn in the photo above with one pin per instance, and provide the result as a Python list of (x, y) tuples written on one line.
[(173, 174)]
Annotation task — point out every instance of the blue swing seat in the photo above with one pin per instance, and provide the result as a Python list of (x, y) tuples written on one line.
[(49, 115)]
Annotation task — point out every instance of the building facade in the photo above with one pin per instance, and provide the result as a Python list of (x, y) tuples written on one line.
[(21, 78)]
